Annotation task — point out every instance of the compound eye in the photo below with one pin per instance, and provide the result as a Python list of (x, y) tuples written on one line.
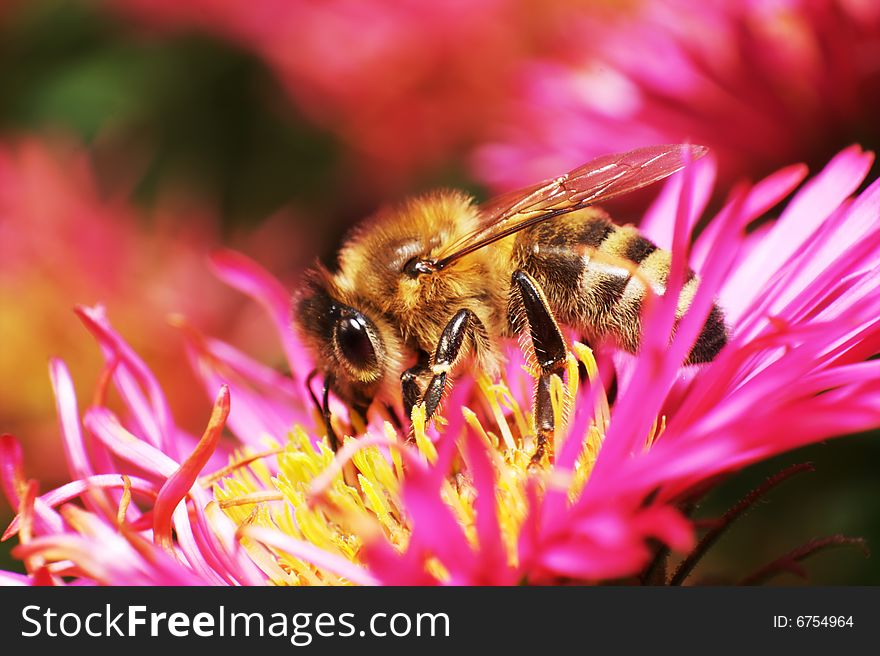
[(354, 343)]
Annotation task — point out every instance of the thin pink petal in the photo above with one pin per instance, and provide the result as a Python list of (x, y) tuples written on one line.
[(104, 425), (250, 278), (722, 255), (764, 195), (667, 525), (393, 568), (74, 489), (216, 522), (310, 553), (68, 416), (11, 468), (152, 413), (492, 551), (181, 481), (809, 208), (435, 531), (13, 579), (636, 408), (265, 402), (555, 502), (658, 223)]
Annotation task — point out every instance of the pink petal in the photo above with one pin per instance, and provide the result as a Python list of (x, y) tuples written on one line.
[(104, 425), (13, 579), (658, 223), (152, 414), (178, 485), (310, 553), (667, 525), (72, 490), (851, 244), (582, 560), (68, 416), (807, 210), (215, 522), (265, 401), (722, 255), (638, 403), (556, 503), (11, 468), (764, 195), (245, 275), (435, 531), (492, 553)]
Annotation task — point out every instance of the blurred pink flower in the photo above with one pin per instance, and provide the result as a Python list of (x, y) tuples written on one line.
[(406, 85), (536, 88), (63, 239), (761, 83), (462, 506)]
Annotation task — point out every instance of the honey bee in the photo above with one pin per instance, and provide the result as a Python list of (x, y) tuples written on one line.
[(439, 281)]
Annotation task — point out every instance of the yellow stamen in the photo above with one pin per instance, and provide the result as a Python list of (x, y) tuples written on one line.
[(391, 434), (125, 501), (558, 401), (585, 355), (423, 442), (312, 499), (253, 497), (508, 401), (492, 397), (210, 479)]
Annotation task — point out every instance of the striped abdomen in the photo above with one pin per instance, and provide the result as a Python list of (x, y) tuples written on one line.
[(594, 274)]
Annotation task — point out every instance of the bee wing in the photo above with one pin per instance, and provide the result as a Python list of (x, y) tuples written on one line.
[(596, 181)]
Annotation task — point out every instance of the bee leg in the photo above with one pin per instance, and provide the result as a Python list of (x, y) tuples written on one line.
[(409, 381), (332, 437), (550, 352), (449, 350)]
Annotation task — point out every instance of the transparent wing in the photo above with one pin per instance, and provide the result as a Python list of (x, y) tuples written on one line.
[(596, 181)]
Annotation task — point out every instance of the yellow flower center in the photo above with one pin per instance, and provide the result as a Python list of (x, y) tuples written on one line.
[(340, 508)]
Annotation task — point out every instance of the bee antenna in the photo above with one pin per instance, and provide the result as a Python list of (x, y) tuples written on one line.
[(323, 408), (309, 379)]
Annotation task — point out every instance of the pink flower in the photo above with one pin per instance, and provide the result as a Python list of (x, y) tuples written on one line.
[(538, 89), (760, 83), (463, 505), (405, 85), (801, 296), (63, 239)]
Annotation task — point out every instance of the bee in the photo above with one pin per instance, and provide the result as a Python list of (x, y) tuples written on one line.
[(439, 281)]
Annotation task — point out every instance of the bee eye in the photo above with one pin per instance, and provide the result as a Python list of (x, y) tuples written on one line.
[(354, 343)]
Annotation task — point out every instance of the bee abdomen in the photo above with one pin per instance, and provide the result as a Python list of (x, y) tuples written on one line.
[(596, 276)]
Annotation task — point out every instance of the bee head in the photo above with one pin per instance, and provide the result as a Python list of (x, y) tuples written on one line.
[(345, 342)]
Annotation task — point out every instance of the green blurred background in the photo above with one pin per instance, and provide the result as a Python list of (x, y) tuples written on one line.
[(196, 114), (200, 114)]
